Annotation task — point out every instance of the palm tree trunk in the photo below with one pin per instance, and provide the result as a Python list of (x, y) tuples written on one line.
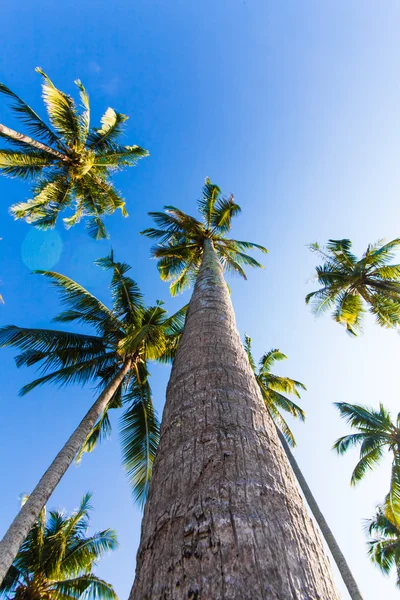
[(332, 544), (224, 519), (29, 513), (20, 137)]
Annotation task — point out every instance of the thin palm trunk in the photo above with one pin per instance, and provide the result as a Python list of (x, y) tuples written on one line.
[(224, 518), (29, 513), (20, 137), (330, 540)]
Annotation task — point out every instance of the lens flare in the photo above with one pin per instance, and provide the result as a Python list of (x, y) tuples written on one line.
[(41, 249)]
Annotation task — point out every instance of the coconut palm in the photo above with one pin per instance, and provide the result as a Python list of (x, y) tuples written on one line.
[(57, 558), (116, 356), (273, 391), (69, 161), (222, 498), (351, 284), (384, 547), (376, 432)]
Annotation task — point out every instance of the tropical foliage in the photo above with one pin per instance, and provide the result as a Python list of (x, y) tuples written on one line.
[(376, 432), (274, 389), (130, 331), (69, 161), (56, 561), (384, 545), (350, 284), (181, 237)]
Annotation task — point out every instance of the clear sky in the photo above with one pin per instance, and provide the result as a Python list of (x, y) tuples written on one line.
[(294, 107)]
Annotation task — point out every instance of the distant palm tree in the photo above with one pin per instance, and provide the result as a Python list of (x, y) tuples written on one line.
[(376, 432), (350, 283), (384, 547), (125, 339), (57, 558), (70, 162), (273, 390)]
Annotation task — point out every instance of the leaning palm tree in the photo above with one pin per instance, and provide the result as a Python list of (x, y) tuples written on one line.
[(222, 498), (384, 545), (274, 390), (350, 284), (57, 558), (116, 356), (69, 161), (376, 432)]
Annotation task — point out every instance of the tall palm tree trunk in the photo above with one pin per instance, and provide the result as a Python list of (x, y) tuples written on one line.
[(29, 513), (224, 518), (20, 137), (330, 540)]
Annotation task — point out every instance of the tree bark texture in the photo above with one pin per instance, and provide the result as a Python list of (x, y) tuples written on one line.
[(20, 137), (224, 519), (330, 540), (30, 511)]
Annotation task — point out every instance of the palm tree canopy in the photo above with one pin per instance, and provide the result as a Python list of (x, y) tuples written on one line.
[(274, 389), (376, 432), (69, 161), (181, 238), (130, 331), (350, 284), (384, 544), (57, 558)]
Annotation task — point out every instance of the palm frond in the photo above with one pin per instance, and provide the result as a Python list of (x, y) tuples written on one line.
[(28, 116), (61, 110), (83, 302), (24, 165), (140, 434), (127, 298)]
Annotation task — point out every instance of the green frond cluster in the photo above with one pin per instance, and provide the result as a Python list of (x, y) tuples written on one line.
[(181, 238), (130, 330), (274, 389), (384, 542), (376, 434), (69, 161), (57, 558), (351, 284)]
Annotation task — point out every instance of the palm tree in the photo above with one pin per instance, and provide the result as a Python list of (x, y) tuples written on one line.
[(384, 547), (124, 339), (69, 161), (57, 558), (273, 389), (350, 284), (222, 499), (376, 432)]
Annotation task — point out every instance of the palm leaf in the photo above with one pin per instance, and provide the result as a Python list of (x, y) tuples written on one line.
[(33, 122), (140, 434)]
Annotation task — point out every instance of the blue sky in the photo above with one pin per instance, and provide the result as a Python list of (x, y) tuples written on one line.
[(294, 107)]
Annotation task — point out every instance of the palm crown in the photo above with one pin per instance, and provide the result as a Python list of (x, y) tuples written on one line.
[(69, 161), (349, 283), (57, 559), (181, 239), (130, 332), (384, 545), (274, 389), (376, 433)]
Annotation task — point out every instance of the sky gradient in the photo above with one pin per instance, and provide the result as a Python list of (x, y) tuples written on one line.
[(293, 107)]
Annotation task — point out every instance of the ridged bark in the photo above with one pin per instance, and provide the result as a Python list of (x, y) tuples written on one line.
[(20, 137), (29, 513), (224, 519), (330, 540)]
